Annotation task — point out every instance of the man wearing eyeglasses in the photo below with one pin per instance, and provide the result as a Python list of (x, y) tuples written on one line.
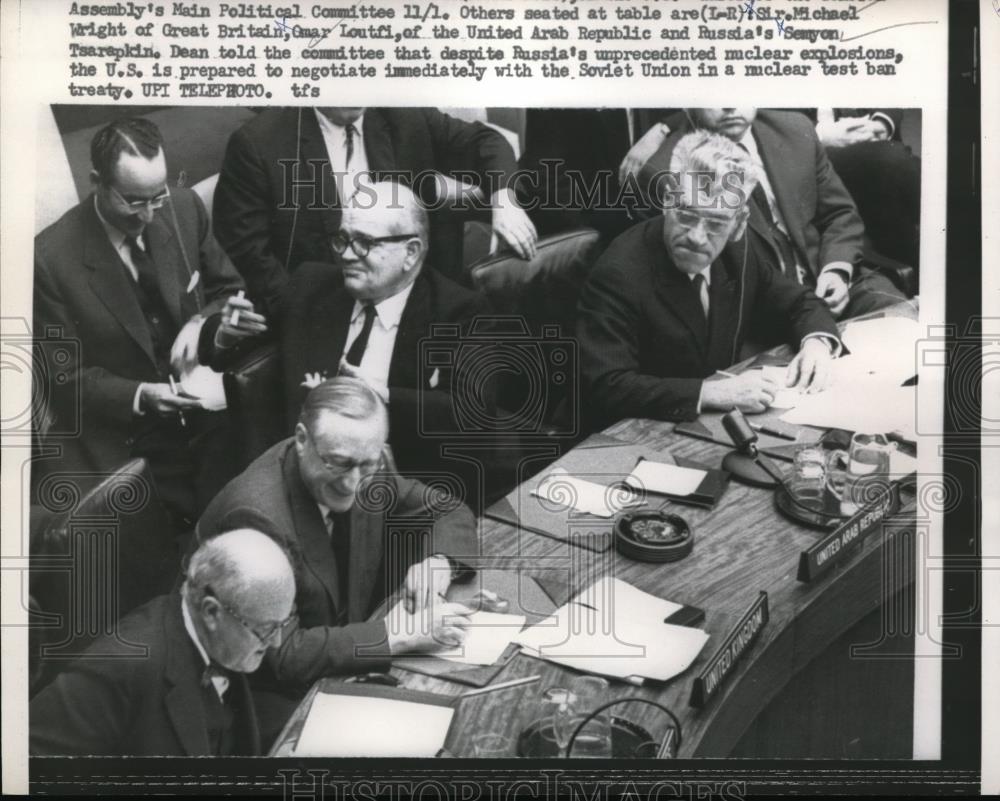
[(366, 314), (670, 302), (172, 683), (130, 274), (358, 531)]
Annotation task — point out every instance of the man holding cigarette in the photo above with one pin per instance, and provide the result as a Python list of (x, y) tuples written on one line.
[(800, 209), (130, 274)]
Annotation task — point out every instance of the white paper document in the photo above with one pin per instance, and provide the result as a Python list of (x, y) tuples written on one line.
[(876, 408), (486, 638), (363, 726), (205, 384), (561, 489), (669, 479), (885, 347), (615, 629)]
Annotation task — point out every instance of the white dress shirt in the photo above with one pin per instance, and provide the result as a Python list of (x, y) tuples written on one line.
[(378, 352), (221, 683), (335, 136)]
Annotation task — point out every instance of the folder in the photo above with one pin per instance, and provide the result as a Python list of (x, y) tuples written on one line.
[(680, 484)]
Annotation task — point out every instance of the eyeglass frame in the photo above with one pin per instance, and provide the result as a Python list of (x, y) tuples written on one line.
[(695, 219), (340, 471), (278, 628), (352, 241), (155, 202)]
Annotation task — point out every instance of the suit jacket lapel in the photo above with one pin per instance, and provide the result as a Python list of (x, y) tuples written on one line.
[(183, 696), (313, 155), (110, 282), (310, 529), (723, 315), (378, 142), (414, 324), (674, 289), (159, 236), (239, 684)]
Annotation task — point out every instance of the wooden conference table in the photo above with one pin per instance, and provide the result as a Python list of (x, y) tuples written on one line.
[(742, 546)]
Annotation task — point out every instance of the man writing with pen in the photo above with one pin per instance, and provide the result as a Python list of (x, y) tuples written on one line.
[(668, 305), (129, 276)]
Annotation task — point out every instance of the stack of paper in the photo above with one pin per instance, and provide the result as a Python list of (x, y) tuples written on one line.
[(667, 479), (486, 638), (615, 629), (562, 490), (206, 385)]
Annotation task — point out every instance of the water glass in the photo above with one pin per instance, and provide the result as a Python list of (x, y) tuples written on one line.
[(492, 746), (808, 481), (587, 693), (867, 471)]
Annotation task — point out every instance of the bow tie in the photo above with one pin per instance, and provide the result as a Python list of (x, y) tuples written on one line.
[(214, 671)]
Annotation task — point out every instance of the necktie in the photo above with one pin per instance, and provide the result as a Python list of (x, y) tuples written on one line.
[(144, 266), (350, 132), (340, 542), (213, 670), (701, 287), (357, 349)]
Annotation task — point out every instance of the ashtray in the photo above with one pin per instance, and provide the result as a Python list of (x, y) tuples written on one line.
[(653, 536), (628, 740)]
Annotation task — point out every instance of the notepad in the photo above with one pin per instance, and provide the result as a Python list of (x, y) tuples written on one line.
[(667, 479), (206, 385), (562, 490), (486, 638), (373, 725)]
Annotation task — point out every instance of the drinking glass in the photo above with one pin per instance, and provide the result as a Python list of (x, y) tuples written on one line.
[(867, 470), (808, 481), (586, 693), (492, 746)]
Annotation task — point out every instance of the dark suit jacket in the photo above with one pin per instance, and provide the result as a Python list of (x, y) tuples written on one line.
[(645, 346), (271, 497), (82, 288), (120, 704), (268, 238), (822, 220)]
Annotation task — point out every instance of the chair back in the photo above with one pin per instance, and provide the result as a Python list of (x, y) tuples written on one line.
[(254, 400)]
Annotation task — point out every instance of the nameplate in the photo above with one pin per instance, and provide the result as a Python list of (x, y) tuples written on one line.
[(737, 642), (836, 546)]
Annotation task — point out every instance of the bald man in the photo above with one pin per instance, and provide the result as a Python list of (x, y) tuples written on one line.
[(188, 695), (365, 316)]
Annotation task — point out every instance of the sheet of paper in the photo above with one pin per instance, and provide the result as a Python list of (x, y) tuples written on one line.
[(486, 638), (668, 479), (877, 408), (205, 384), (563, 490), (885, 348), (614, 629), (360, 726)]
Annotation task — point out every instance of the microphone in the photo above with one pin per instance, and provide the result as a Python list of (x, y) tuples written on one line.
[(746, 463)]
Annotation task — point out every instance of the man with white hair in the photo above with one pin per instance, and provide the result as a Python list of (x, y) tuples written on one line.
[(188, 696), (670, 302)]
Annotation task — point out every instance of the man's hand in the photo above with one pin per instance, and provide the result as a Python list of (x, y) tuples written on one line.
[(750, 392), (641, 152), (847, 131), (239, 321), (161, 399), (435, 627), (833, 290), (312, 380), (810, 370), (426, 581), (351, 371), (511, 223), (184, 351)]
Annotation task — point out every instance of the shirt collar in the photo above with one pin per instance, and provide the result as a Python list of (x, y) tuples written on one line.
[(115, 235), (388, 311), (192, 632), (327, 125), (750, 144), (706, 274)]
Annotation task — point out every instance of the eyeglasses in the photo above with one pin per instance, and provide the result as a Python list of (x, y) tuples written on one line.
[(714, 226), (362, 244), (338, 465), (138, 205), (271, 632)]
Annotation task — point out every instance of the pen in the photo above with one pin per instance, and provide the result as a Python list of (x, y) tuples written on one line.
[(173, 388), (234, 318), (725, 373), (772, 431), (504, 685)]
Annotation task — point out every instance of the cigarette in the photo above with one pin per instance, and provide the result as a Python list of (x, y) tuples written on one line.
[(234, 318), (173, 388)]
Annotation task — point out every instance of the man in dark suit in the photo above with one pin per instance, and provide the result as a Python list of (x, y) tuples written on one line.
[(288, 173), (356, 531), (670, 301), (800, 209), (129, 274), (187, 695), (369, 315)]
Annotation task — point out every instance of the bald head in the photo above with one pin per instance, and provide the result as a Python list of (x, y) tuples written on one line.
[(245, 568)]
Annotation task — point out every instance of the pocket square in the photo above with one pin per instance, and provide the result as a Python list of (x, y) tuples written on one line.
[(435, 378)]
